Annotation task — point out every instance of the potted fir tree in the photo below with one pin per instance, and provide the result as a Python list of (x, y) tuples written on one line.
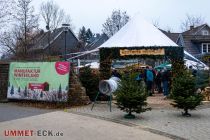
[(184, 93), (131, 97)]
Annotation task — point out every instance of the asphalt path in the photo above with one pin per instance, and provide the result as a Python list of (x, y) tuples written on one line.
[(9, 111), (43, 124)]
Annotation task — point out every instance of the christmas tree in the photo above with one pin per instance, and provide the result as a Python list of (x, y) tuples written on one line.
[(131, 97), (184, 93), (41, 94), (25, 92), (59, 92), (18, 89), (12, 90)]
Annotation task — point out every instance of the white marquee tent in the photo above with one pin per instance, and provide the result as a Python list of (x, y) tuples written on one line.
[(140, 33)]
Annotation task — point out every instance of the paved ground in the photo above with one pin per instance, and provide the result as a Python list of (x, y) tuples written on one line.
[(73, 127), (164, 120), (12, 111)]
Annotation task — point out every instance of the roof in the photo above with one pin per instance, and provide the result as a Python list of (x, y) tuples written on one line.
[(172, 36), (190, 39), (189, 45), (42, 41), (138, 33), (194, 30), (98, 41)]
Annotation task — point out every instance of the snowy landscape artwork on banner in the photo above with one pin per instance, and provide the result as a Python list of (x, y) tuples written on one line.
[(45, 81)]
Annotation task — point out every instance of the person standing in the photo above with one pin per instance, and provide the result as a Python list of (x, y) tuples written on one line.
[(149, 78), (165, 81), (158, 81)]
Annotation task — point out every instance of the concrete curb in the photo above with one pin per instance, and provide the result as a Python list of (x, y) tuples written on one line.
[(174, 137)]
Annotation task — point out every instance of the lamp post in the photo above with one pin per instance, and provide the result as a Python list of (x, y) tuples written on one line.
[(48, 28), (65, 27)]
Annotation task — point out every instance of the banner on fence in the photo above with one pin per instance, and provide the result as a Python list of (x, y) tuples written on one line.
[(45, 81)]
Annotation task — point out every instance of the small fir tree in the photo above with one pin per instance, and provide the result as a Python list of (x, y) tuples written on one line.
[(18, 89), (131, 97), (184, 93), (89, 36), (25, 92), (59, 92), (12, 90), (202, 79), (59, 89), (41, 94), (82, 34)]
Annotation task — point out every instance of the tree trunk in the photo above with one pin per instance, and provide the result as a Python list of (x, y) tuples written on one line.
[(129, 111), (186, 113), (129, 115)]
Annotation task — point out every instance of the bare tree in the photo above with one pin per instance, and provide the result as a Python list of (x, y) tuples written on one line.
[(10, 42), (191, 20), (20, 37), (156, 23), (13, 44), (68, 20), (6, 9), (114, 23), (53, 15)]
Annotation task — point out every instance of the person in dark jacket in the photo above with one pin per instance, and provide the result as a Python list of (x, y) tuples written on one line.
[(165, 81), (116, 74), (158, 81), (149, 78)]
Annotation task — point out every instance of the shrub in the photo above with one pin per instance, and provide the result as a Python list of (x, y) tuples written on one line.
[(202, 79), (90, 81)]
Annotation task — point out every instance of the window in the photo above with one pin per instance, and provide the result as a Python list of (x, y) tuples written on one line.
[(205, 47), (205, 32)]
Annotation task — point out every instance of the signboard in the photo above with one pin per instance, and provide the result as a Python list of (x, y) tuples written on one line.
[(45, 81), (160, 51)]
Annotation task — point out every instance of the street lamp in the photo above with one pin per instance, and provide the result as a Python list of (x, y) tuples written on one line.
[(65, 28), (48, 28)]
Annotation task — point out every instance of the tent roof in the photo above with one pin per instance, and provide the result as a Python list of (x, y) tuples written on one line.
[(138, 33), (193, 58)]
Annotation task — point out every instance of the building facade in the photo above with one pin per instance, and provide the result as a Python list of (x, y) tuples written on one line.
[(57, 43), (196, 41)]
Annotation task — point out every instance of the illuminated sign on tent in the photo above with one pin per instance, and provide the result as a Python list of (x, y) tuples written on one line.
[(125, 52)]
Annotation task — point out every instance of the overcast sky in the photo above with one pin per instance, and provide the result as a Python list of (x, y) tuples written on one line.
[(169, 13)]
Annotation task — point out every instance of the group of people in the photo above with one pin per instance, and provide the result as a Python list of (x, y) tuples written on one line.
[(159, 80), (155, 80)]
